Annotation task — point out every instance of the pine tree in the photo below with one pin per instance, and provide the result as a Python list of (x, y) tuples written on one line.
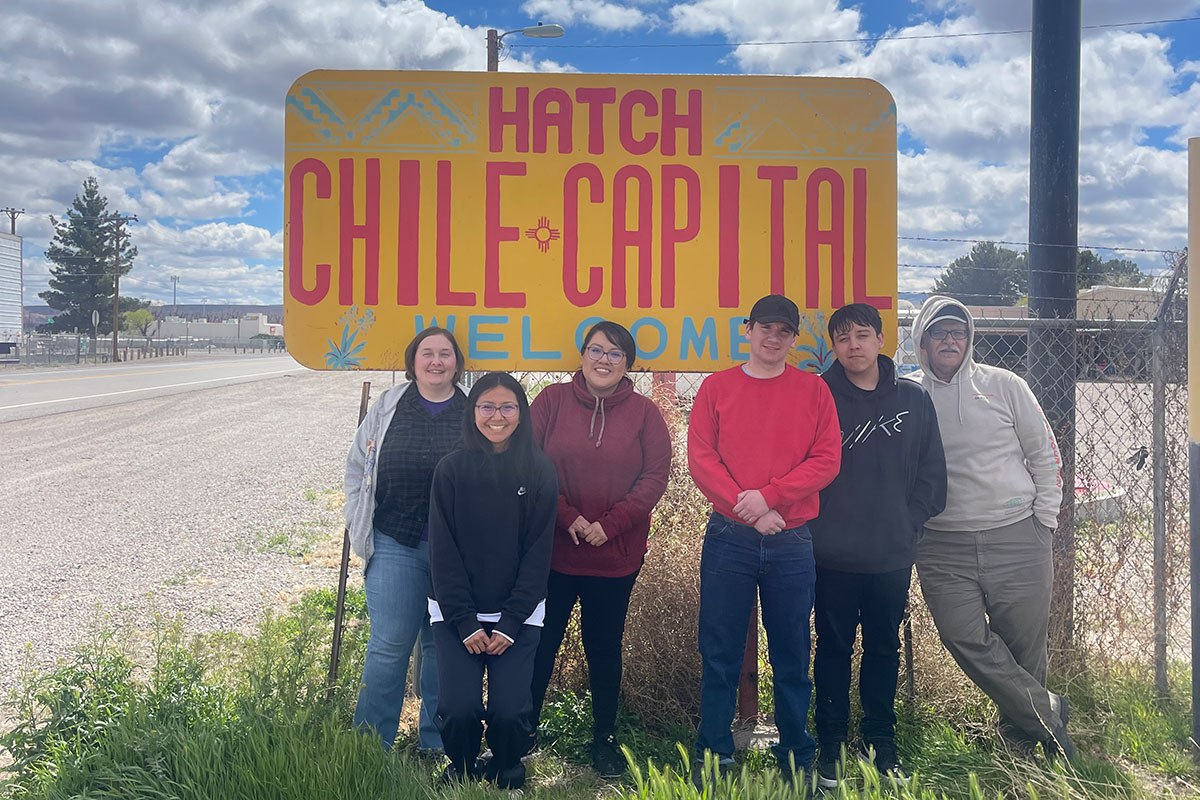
[(1092, 271), (989, 276), (82, 252)]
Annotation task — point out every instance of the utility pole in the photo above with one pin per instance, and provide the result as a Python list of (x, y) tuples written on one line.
[(174, 288), (12, 213), (1053, 237), (119, 221)]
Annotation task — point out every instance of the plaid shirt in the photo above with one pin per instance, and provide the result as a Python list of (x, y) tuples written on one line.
[(411, 448)]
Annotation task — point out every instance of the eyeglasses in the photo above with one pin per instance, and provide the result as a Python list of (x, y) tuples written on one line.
[(940, 334), (595, 353), (487, 410)]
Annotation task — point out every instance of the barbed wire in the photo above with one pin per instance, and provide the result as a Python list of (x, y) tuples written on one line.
[(847, 40), (1040, 244)]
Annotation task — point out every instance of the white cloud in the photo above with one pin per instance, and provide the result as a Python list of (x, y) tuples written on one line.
[(597, 13), (775, 21)]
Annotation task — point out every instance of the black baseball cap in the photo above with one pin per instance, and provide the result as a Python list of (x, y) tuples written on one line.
[(775, 308)]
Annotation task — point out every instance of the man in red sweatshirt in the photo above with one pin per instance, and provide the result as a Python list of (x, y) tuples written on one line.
[(763, 441)]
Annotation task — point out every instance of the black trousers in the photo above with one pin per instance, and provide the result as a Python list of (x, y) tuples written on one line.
[(603, 604), (460, 710), (845, 600)]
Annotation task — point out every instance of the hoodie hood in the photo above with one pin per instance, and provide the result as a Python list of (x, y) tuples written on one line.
[(931, 309), (598, 405), (842, 387)]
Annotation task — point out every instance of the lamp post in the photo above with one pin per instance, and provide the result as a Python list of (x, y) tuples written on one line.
[(494, 37)]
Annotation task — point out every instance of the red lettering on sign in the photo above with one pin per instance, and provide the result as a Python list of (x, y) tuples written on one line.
[(689, 121), (833, 237), (671, 234), (323, 191), (445, 295), (349, 231), (641, 235), (499, 119), (570, 269), (596, 99), (494, 234), (408, 232), (638, 97), (729, 182), (777, 175), (859, 237), (559, 119)]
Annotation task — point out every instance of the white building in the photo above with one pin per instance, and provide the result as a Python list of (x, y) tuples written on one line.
[(247, 327)]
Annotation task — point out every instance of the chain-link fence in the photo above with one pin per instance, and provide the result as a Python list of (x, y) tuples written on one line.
[(70, 348), (1123, 561)]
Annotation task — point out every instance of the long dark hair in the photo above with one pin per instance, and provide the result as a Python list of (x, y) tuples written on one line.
[(521, 442)]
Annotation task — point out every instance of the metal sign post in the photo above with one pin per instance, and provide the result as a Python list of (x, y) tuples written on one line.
[(1194, 423), (343, 571)]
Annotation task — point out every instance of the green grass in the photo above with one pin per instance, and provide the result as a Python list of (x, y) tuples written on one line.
[(230, 716)]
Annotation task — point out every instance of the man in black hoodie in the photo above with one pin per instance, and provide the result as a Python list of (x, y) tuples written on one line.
[(892, 479)]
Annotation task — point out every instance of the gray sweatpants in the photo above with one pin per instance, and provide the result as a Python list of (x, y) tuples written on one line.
[(989, 593)]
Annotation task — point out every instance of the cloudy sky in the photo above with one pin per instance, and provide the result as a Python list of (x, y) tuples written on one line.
[(177, 107)]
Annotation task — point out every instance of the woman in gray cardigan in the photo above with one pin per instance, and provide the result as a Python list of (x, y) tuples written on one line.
[(388, 476)]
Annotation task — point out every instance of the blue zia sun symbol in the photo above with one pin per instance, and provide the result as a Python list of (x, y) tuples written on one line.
[(348, 355)]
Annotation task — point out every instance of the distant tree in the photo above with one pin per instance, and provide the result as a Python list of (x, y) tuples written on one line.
[(989, 275), (139, 320), (1092, 271), (82, 253)]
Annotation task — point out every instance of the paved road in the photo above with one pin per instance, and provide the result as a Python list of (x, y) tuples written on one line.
[(26, 393), (186, 503)]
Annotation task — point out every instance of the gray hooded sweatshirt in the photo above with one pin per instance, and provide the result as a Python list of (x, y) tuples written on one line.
[(1002, 462)]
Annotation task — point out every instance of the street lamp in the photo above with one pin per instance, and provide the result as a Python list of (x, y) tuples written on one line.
[(494, 37)]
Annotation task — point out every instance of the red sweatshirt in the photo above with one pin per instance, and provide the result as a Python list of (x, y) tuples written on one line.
[(778, 435), (613, 456)]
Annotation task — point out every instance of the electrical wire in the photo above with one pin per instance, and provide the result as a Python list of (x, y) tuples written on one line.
[(851, 40)]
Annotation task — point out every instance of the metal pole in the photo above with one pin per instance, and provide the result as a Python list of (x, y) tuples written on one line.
[(748, 680), (116, 287), (335, 654), (493, 48), (1053, 236), (910, 672), (1194, 424), (1159, 451)]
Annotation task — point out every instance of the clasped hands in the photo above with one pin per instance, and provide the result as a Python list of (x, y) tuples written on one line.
[(751, 507), (591, 532), (480, 643)]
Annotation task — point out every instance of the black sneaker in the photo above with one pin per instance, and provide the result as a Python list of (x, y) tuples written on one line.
[(799, 776), (452, 775), (830, 768), (725, 765), (1016, 742), (1059, 744), (886, 760), (607, 760)]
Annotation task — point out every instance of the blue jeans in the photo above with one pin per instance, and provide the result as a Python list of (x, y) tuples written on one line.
[(736, 562), (397, 583)]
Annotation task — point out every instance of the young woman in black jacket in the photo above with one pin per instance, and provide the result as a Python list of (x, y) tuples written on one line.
[(491, 527)]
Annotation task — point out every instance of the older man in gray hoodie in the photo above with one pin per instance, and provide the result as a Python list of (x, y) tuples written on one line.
[(984, 563)]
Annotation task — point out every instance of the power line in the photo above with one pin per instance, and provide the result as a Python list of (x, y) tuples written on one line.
[(850, 40), (1038, 244)]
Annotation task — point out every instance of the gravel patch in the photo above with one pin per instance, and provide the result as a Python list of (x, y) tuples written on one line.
[(183, 505)]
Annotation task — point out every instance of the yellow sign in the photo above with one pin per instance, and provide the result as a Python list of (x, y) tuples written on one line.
[(518, 209)]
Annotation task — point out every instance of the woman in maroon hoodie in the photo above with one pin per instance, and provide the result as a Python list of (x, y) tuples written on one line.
[(612, 452)]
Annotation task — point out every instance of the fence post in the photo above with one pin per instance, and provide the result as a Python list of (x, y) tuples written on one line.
[(1159, 450), (748, 680)]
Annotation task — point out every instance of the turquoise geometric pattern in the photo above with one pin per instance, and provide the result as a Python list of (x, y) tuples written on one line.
[(439, 123), (832, 124)]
